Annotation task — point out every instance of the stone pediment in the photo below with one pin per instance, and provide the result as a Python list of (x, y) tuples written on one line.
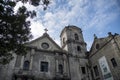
[(45, 42), (98, 43)]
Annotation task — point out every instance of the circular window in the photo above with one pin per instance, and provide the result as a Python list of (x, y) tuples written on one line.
[(97, 46), (45, 45)]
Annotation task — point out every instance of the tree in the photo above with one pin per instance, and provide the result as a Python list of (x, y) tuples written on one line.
[(14, 28)]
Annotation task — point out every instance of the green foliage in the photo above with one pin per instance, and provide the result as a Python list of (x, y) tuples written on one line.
[(14, 28), (45, 3)]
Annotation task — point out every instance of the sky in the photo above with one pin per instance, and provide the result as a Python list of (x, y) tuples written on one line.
[(92, 16)]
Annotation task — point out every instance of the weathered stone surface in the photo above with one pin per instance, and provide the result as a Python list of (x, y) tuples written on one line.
[(49, 61)]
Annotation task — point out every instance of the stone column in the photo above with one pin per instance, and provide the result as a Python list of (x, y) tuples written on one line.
[(56, 63), (31, 61), (31, 58), (65, 65), (57, 66), (22, 62), (65, 68)]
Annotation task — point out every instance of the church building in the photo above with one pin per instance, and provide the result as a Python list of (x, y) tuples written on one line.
[(46, 60)]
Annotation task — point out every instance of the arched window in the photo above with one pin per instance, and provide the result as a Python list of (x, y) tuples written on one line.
[(78, 48), (76, 36), (26, 65), (63, 40), (83, 70), (60, 67), (97, 46)]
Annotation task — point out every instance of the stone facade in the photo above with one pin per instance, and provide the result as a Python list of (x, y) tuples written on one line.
[(72, 41), (108, 47), (45, 60)]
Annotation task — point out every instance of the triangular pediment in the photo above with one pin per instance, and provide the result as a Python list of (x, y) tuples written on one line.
[(44, 42), (97, 44)]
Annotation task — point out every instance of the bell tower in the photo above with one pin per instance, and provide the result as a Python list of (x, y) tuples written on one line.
[(72, 41)]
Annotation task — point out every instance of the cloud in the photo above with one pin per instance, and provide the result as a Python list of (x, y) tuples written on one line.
[(89, 43), (27, 5), (37, 29), (88, 14), (103, 14)]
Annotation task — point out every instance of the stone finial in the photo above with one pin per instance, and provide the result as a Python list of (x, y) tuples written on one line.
[(95, 37), (45, 30), (109, 33), (116, 34), (45, 34)]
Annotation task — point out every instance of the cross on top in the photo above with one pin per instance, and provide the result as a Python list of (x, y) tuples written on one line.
[(46, 30)]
